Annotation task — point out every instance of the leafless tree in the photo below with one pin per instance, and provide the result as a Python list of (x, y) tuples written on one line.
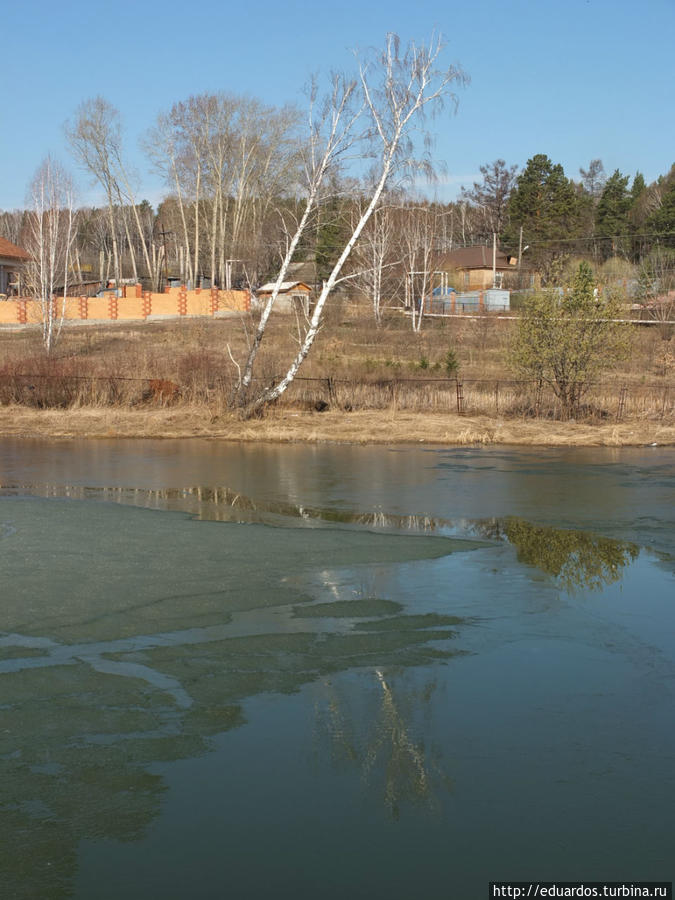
[(491, 195), (332, 132), (51, 235), (90, 137), (656, 288), (11, 224), (418, 241), (227, 158), (96, 140), (377, 255), (593, 178), (396, 90)]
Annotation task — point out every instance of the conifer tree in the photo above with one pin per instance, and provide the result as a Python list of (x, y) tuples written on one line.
[(611, 218), (545, 204)]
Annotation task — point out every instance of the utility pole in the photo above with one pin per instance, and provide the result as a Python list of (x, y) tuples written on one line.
[(494, 259), (163, 235), (520, 247)]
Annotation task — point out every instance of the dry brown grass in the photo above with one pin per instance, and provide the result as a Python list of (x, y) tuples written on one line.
[(379, 426), (378, 383)]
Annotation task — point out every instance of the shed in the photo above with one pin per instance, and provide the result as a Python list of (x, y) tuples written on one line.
[(292, 295)]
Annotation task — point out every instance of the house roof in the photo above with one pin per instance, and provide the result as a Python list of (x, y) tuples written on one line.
[(475, 258), (11, 251), (286, 286)]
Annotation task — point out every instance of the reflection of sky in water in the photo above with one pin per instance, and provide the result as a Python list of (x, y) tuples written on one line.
[(188, 704)]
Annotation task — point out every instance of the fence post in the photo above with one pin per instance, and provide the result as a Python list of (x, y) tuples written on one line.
[(331, 391), (460, 397), (182, 302), (622, 403)]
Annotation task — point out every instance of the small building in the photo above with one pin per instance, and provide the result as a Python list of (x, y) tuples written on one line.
[(12, 262), (293, 295), (473, 267)]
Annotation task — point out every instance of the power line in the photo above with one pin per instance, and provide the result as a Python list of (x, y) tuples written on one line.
[(604, 237)]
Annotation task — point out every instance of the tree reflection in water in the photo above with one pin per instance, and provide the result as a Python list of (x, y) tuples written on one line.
[(76, 740), (384, 744), (578, 560)]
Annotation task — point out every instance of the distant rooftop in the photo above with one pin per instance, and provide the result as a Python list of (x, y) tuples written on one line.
[(286, 286), (8, 250)]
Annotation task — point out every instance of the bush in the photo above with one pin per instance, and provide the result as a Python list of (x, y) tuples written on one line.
[(565, 340)]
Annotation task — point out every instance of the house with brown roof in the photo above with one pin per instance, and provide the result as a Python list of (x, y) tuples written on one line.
[(12, 262), (471, 267)]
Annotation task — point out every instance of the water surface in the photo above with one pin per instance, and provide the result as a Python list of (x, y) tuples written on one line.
[(329, 671)]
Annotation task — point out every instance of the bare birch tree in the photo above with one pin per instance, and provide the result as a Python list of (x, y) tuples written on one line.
[(51, 234), (397, 89), (11, 224), (96, 140), (418, 238), (227, 157), (376, 255), (331, 126)]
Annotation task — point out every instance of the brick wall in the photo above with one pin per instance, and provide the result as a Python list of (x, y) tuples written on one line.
[(137, 304)]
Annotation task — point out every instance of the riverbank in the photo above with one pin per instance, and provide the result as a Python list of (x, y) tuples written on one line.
[(359, 427)]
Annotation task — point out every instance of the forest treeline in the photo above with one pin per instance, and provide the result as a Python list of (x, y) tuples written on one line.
[(233, 168)]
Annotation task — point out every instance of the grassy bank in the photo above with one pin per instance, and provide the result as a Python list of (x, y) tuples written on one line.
[(375, 426), (450, 384)]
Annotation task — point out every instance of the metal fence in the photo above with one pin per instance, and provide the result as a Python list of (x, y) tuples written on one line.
[(600, 401)]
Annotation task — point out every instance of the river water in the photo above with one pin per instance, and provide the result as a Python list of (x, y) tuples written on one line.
[(325, 671)]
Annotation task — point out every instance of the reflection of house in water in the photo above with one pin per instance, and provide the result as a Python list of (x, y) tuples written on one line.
[(12, 262)]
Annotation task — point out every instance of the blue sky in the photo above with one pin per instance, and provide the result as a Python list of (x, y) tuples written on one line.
[(576, 80)]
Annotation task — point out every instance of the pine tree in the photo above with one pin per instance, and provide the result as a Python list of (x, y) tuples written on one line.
[(638, 186), (545, 204), (611, 218), (662, 220)]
